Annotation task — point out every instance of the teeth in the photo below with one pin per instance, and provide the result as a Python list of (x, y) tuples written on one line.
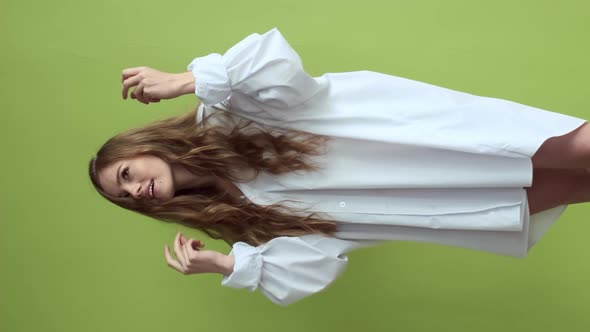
[(152, 188)]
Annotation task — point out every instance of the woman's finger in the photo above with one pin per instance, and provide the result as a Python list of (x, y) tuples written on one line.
[(186, 247), (179, 252), (183, 240), (128, 72), (171, 261), (128, 83), (138, 92)]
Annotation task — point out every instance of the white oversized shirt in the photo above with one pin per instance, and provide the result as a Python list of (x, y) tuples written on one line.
[(406, 160)]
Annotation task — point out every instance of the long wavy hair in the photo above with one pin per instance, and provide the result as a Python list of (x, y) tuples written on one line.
[(215, 150)]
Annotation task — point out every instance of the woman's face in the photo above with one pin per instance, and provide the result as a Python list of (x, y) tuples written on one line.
[(133, 177)]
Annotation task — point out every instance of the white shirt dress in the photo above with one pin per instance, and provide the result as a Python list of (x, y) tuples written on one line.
[(406, 160)]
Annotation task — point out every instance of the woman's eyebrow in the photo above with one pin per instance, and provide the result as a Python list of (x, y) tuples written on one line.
[(117, 176)]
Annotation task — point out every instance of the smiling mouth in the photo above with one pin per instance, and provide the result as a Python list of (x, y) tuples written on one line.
[(151, 189)]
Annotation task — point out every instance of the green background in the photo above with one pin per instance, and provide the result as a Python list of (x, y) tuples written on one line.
[(71, 261)]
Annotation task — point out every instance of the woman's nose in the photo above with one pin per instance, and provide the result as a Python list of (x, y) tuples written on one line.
[(135, 190)]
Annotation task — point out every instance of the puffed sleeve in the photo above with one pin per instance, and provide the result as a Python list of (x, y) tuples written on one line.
[(287, 269), (263, 68)]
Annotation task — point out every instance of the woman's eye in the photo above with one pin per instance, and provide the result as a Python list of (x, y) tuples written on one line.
[(125, 173)]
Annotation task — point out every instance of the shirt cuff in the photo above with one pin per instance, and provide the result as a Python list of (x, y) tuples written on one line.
[(212, 84), (247, 267)]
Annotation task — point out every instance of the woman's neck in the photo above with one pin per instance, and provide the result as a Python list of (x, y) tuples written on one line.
[(183, 179), (186, 182)]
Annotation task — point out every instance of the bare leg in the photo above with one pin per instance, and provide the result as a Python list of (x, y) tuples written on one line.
[(554, 187), (570, 151)]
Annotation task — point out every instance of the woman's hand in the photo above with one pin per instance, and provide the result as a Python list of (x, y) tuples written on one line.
[(191, 260), (153, 85)]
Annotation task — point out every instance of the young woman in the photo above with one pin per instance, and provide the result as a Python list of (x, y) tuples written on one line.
[(294, 171)]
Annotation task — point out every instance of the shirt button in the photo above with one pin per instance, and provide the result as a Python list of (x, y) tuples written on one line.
[(342, 204)]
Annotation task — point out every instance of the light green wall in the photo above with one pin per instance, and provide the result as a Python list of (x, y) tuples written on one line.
[(70, 261)]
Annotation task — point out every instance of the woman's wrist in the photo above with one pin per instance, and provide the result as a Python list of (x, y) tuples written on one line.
[(225, 264), (186, 83)]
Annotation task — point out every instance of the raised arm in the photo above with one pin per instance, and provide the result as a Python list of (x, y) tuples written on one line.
[(260, 71), (285, 269)]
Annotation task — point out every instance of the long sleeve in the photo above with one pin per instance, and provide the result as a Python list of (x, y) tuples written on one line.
[(263, 68), (287, 269)]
